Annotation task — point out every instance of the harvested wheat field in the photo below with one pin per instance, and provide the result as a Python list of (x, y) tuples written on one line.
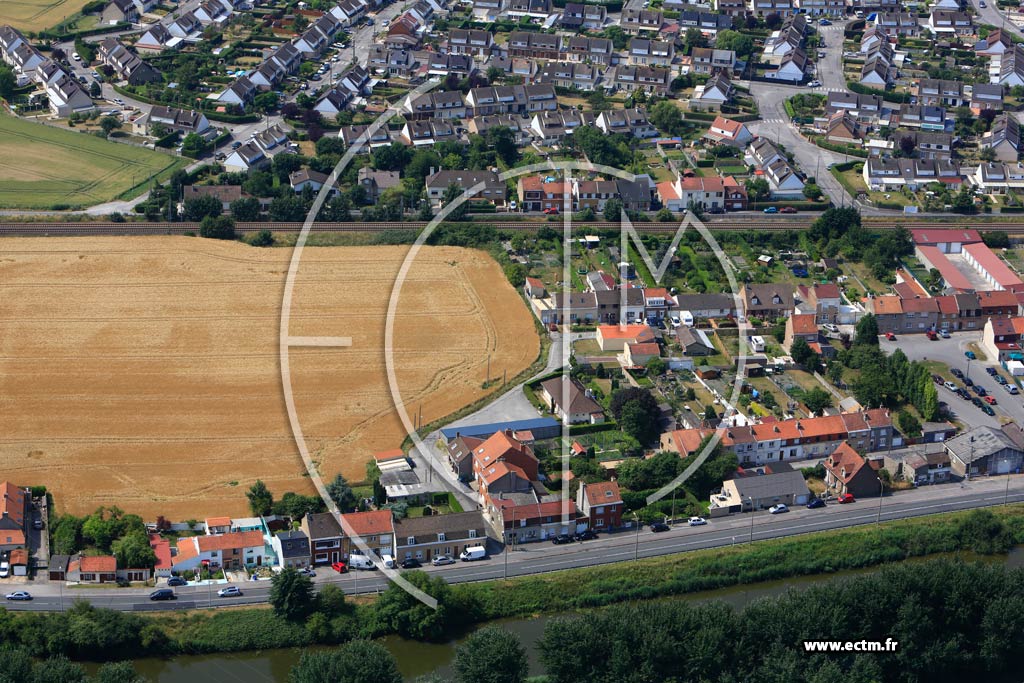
[(144, 372)]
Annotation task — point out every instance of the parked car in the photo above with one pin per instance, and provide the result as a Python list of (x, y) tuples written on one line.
[(658, 527), (824, 22), (977, 402), (932, 335), (778, 509), (339, 567), (988, 410), (75, 56), (944, 334), (551, 211), (950, 386), (980, 390), (1011, 388), (162, 594), (586, 535), (937, 379), (442, 560), (37, 523), (890, 336), (788, 209), (814, 84), (411, 563), (19, 595), (991, 400), (1001, 380), (846, 498), (957, 372), (561, 539), (472, 553), (306, 571), (970, 354), (5, 569), (697, 521), (176, 581), (772, 209), (816, 503), (968, 382), (964, 394), (229, 592)]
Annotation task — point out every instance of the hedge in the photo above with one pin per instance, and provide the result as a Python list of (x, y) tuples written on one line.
[(211, 115), (577, 430), (168, 140), (72, 35), (841, 149)]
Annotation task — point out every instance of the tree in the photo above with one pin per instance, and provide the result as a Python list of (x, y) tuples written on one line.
[(134, 551), (503, 141), (908, 145), (197, 208), (453, 194), (287, 209), (758, 189), (117, 672), (812, 191), (195, 145), (245, 209), (109, 124), (710, 414), (341, 493), (741, 44), (772, 21), (907, 423), (291, 594), (491, 655), (666, 117), (963, 201), (217, 227), (516, 274), (802, 352), (656, 366), (260, 499), (58, 670), (494, 74), (638, 474), (817, 399), (866, 331), (264, 238), (359, 661), (694, 38), (613, 210), (399, 612), (8, 82), (66, 533), (265, 101)]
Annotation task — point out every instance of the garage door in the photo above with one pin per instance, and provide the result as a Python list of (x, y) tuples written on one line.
[(1002, 466)]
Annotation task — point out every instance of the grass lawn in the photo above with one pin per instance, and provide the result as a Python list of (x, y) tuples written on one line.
[(35, 15), (589, 347), (45, 166)]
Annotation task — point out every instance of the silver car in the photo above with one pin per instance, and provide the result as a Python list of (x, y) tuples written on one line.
[(441, 560)]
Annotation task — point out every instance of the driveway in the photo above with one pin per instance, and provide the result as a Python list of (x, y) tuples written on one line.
[(950, 352)]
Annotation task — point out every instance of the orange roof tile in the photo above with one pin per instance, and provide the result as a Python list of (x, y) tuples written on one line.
[(887, 305), (19, 556), (218, 521), (369, 523), (237, 539), (637, 332), (162, 548), (645, 349), (602, 493), (393, 454), (844, 463), (804, 323), (98, 563)]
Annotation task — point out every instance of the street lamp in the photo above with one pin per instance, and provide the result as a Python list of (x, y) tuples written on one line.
[(508, 541), (968, 375), (751, 518), (881, 492), (636, 545)]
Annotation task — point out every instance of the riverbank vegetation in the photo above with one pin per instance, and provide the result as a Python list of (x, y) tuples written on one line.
[(92, 634)]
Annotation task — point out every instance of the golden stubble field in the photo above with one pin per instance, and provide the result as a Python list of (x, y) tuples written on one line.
[(144, 372)]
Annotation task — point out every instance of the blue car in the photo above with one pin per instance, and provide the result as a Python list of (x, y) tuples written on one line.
[(772, 209), (816, 503), (970, 354)]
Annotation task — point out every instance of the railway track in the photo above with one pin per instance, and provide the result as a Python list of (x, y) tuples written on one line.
[(773, 225)]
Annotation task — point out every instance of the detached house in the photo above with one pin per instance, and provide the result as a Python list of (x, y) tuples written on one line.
[(568, 399), (846, 471), (767, 301), (502, 463), (728, 132)]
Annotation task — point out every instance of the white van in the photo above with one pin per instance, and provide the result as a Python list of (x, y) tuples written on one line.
[(473, 552), (389, 562), (360, 562)]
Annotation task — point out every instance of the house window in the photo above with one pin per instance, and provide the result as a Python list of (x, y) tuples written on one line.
[(472, 533), (411, 540), (441, 537)]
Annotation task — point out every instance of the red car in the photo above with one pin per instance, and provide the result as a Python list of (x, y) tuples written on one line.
[(787, 209), (847, 498), (551, 211), (339, 567), (991, 400), (890, 336)]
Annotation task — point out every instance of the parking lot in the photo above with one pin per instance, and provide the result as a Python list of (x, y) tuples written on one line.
[(950, 353)]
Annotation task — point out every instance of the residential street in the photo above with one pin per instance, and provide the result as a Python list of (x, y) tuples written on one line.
[(991, 15), (539, 558)]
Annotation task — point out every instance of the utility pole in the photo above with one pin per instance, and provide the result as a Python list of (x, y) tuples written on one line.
[(636, 545), (881, 494), (751, 518)]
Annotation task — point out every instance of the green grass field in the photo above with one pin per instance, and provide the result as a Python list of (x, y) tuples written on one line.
[(35, 15), (44, 167)]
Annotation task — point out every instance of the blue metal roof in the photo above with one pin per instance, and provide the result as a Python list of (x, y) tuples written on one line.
[(488, 429)]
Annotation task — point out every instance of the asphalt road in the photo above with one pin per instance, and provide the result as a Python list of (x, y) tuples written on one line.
[(538, 558), (991, 15)]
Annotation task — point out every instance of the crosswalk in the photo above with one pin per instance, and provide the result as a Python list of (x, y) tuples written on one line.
[(823, 89), (771, 121)]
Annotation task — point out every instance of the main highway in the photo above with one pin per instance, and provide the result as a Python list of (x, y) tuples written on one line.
[(542, 557)]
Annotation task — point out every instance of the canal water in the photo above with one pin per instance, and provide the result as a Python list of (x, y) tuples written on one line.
[(416, 658)]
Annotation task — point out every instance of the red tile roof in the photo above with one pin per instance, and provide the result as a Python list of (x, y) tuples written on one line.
[(844, 463), (385, 456), (218, 521), (826, 290), (236, 539), (932, 236), (993, 265), (162, 548), (370, 523), (804, 323), (98, 563), (645, 349), (633, 332), (602, 493), (13, 502), (887, 305)]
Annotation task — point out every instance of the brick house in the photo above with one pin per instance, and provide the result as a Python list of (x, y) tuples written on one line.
[(847, 471), (602, 504), (92, 569), (424, 538)]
